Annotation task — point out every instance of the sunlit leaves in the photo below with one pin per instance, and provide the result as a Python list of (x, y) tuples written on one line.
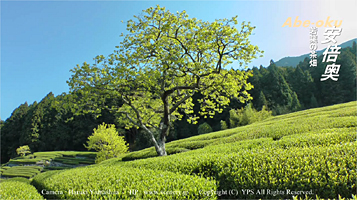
[(314, 160), (108, 182), (23, 150), (106, 140), (18, 190), (163, 60)]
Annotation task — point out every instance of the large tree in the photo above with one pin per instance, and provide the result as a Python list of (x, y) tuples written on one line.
[(161, 63)]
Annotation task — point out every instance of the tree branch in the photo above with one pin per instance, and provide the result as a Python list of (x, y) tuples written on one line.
[(173, 108)]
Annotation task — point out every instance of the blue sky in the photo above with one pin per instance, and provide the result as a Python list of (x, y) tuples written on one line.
[(42, 40)]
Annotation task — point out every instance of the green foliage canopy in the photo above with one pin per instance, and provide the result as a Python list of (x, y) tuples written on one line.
[(247, 115), (23, 150), (107, 142), (204, 128), (164, 60)]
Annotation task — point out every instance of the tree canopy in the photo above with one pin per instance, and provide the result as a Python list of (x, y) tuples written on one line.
[(23, 150), (164, 60), (161, 63), (106, 140)]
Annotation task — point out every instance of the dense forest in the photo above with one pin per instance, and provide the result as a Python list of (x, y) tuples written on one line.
[(52, 123)]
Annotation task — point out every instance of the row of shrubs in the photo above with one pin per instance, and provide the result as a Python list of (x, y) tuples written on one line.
[(71, 158), (239, 117), (74, 161), (88, 157), (274, 128), (341, 115), (324, 137), (338, 110), (66, 154), (18, 188), (302, 154), (324, 171), (291, 162), (115, 182), (328, 161), (277, 128), (21, 171)]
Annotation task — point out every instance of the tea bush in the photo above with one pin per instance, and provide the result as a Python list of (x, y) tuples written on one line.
[(326, 171), (204, 128), (18, 190), (247, 115), (121, 183), (20, 179), (22, 171), (291, 162)]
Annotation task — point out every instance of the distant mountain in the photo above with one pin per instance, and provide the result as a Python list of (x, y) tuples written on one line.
[(293, 61)]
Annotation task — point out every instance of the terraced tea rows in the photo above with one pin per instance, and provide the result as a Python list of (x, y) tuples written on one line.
[(303, 122), (311, 153), (35, 163), (121, 183)]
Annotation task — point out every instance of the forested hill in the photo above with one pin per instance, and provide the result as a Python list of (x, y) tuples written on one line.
[(294, 61), (52, 125)]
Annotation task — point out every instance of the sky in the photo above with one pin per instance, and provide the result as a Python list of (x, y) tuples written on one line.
[(42, 40)]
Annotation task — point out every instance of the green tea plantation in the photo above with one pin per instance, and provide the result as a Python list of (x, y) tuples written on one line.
[(307, 154)]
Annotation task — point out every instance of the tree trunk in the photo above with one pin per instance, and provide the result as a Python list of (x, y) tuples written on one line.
[(160, 144), (161, 150)]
